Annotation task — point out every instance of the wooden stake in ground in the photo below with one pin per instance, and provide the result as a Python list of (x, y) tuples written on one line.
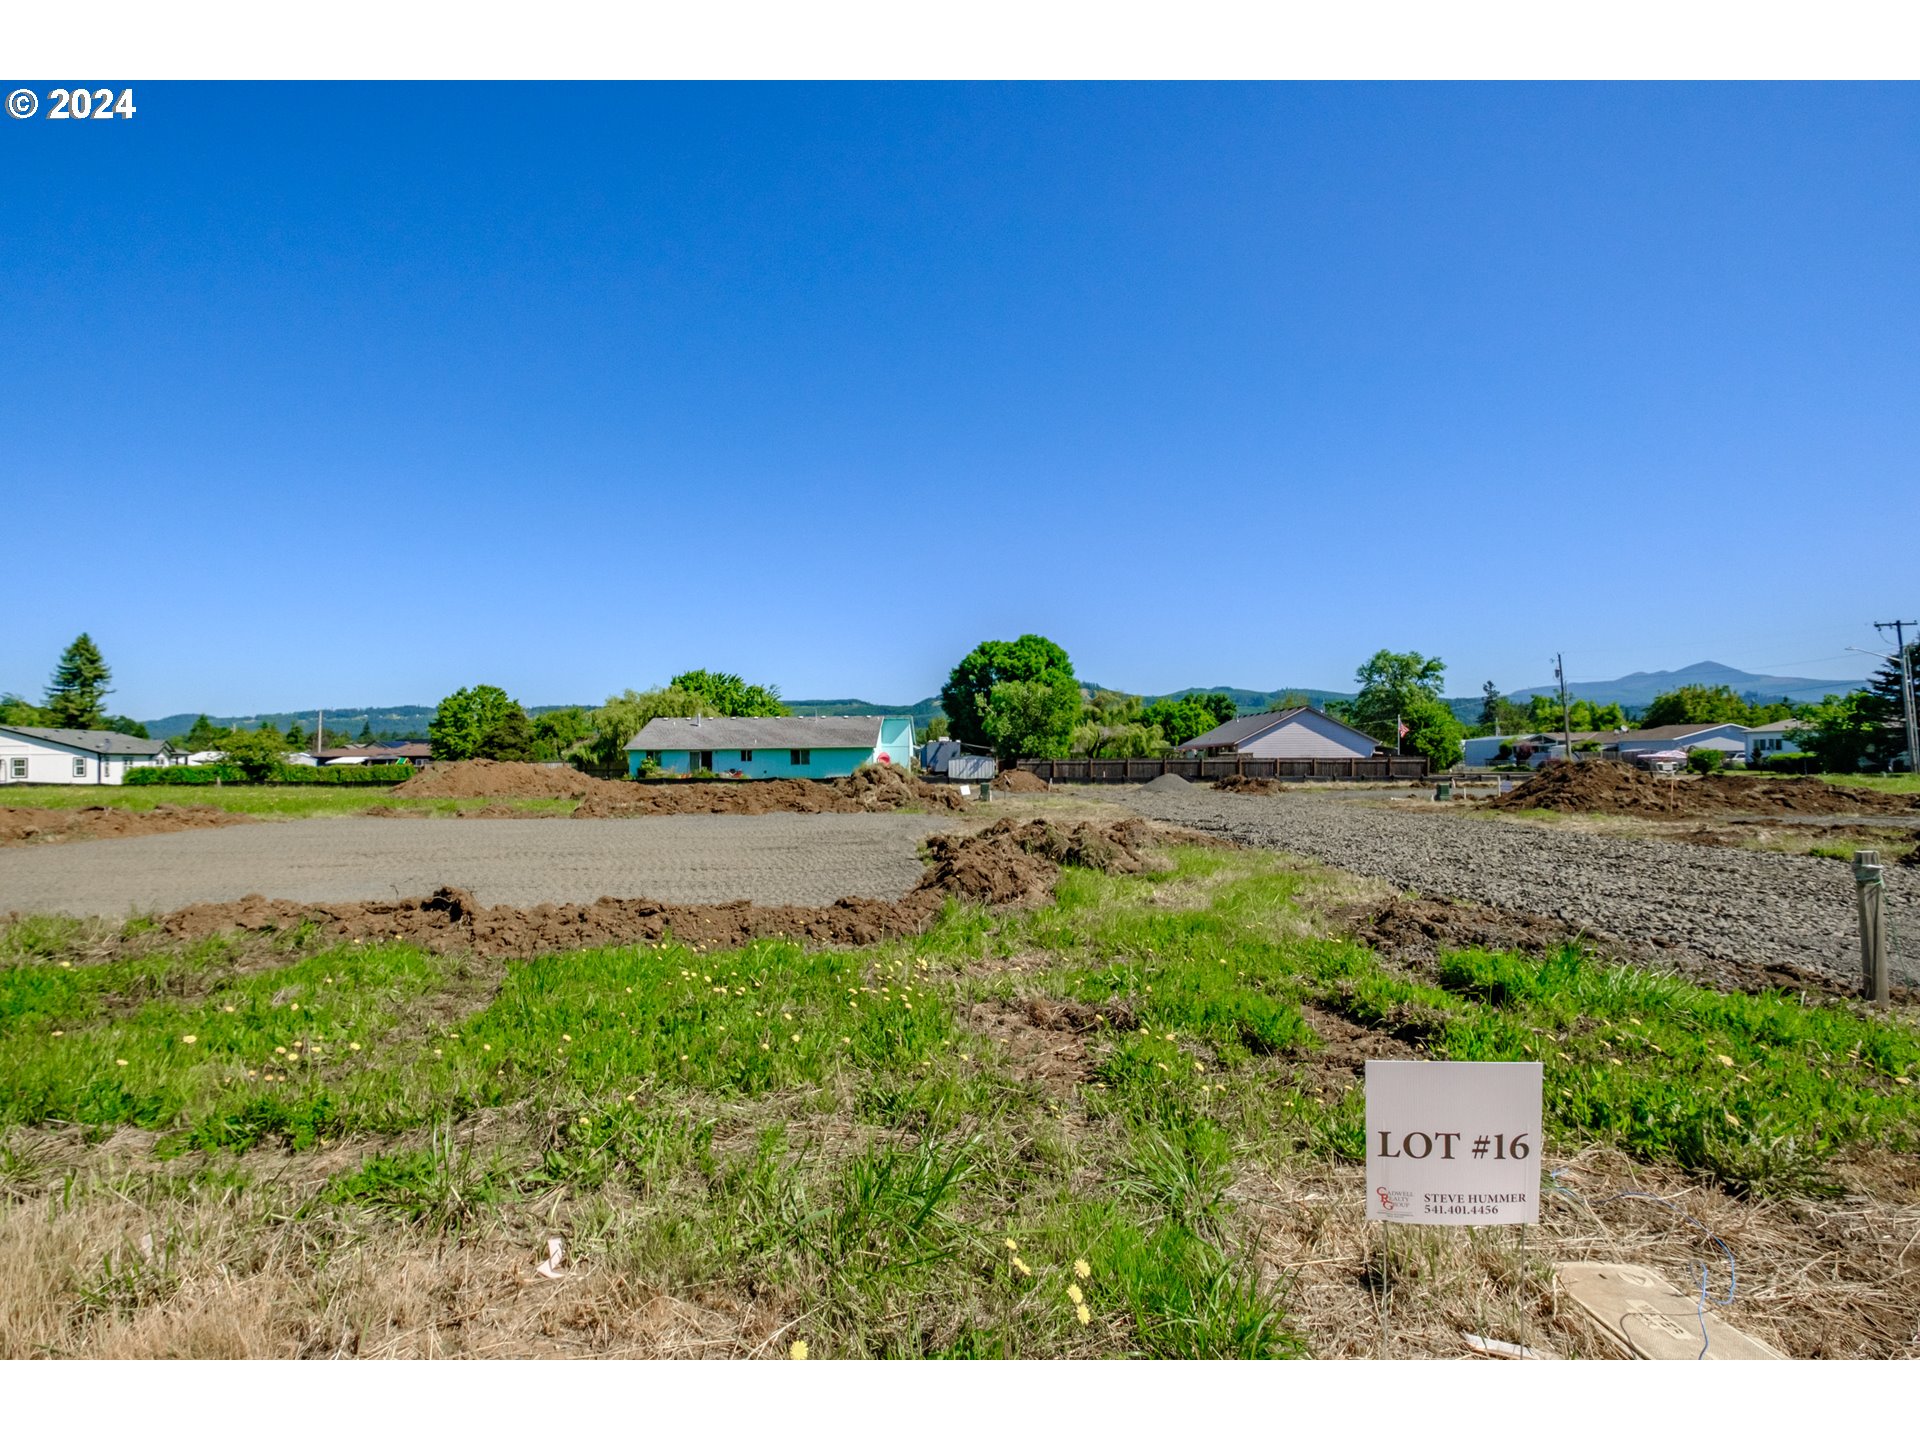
[(1870, 876)]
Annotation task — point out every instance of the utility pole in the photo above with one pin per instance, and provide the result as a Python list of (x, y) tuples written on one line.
[(1899, 628), (1566, 722)]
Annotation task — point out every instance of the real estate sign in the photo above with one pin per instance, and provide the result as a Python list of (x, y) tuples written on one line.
[(1453, 1142)]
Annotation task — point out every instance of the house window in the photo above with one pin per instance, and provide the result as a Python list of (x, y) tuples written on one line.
[(745, 755), (80, 767), (801, 757), (19, 766)]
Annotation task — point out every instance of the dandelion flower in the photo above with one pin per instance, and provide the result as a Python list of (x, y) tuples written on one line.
[(353, 1045), (846, 1040), (188, 1039), (1073, 1294), (798, 1351), (119, 1062), (1022, 1266), (294, 1006), (227, 1008), (567, 1038), (796, 1039), (1726, 1060), (59, 1033), (1082, 1269), (786, 1015), (1082, 1314), (765, 1046), (66, 964), (683, 1057), (437, 1052), (1011, 1243), (279, 1049), (483, 1047)]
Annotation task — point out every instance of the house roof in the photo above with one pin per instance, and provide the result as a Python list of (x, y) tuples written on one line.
[(412, 750), (1245, 727), (1673, 732), (1778, 727), (100, 742), (759, 732)]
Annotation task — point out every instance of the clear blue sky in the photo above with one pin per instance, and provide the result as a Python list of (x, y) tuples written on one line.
[(341, 395)]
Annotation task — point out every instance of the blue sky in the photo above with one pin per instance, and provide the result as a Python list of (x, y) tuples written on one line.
[(353, 394)]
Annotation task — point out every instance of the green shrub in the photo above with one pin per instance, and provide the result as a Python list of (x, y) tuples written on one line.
[(1705, 762), (183, 775), (1795, 763), (342, 774)]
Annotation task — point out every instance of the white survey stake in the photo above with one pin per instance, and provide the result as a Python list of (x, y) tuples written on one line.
[(1453, 1142)]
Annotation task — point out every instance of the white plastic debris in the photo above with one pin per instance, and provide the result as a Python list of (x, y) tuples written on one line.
[(556, 1253)]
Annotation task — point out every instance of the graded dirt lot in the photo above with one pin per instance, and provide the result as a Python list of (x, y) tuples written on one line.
[(769, 859), (1737, 909)]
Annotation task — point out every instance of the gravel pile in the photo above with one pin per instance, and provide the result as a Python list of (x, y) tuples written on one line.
[(1743, 907)]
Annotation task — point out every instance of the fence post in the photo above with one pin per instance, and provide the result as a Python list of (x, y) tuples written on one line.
[(1869, 875)]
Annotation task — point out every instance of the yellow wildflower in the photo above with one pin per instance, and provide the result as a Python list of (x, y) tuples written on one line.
[(798, 1351), (1725, 1060), (1082, 1314), (353, 1045), (1082, 1269), (1022, 1266), (188, 1039), (1011, 1243), (1074, 1294), (119, 1062)]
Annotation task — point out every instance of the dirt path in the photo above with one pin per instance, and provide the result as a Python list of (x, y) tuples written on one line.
[(1745, 907)]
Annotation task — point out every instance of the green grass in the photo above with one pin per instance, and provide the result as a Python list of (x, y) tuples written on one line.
[(288, 802), (836, 1127)]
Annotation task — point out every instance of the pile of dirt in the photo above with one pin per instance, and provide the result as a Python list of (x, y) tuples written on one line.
[(505, 780), (1003, 864), (20, 825), (1167, 782), (1019, 782), (869, 789), (1248, 785), (1604, 788)]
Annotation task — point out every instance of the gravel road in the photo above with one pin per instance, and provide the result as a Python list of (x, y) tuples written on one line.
[(1726, 904), (771, 859)]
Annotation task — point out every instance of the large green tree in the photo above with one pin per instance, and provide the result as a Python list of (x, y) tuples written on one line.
[(258, 753), (508, 738), (1884, 687), (724, 694), (1844, 732), (1180, 720), (558, 731), (1032, 659), (1032, 719), (462, 720), (1403, 688), (16, 710), (203, 735), (626, 714), (79, 686)]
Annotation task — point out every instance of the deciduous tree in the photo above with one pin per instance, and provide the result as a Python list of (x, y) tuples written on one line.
[(462, 720), (1030, 659), (724, 694)]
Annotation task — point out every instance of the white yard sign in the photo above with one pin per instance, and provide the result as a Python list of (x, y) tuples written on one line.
[(1453, 1142)]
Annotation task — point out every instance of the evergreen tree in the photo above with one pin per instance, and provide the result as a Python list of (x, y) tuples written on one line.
[(78, 687), (366, 732), (296, 737), (203, 736), (509, 738), (1885, 707)]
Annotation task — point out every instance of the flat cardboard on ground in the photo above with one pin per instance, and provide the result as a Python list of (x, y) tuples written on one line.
[(1650, 1316)]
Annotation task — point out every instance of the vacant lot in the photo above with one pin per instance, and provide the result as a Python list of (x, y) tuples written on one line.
[(1126, 1122), (1728, 905), (771, 859)]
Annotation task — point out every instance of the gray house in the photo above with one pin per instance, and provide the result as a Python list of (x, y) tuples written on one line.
[(1302, 733)]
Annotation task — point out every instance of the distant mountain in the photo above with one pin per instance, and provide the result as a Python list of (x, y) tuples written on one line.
[(1639, 688), (344, 722), (921, 710)]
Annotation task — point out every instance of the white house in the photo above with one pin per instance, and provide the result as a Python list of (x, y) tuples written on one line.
[(1302, 733), (1776, 738), (32, 756)]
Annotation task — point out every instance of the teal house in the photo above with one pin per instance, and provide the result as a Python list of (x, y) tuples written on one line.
[(809, 747)]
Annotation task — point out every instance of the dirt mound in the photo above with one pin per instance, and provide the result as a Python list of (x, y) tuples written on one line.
[(1019, 782), (1168, 782), (871, 788), (20, 825), (1605, 788), (1004, 864), (1247, 785), (1016, 862), (505, 780)]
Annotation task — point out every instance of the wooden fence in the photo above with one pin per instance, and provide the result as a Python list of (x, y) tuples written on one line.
[(1133, 772)]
